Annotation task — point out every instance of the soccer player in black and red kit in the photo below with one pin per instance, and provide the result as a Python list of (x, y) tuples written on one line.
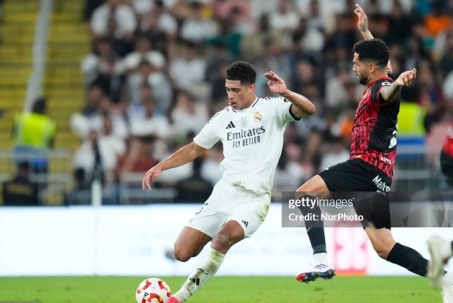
[(372, 156)]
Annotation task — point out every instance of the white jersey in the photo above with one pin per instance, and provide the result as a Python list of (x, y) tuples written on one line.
[(252, 141)]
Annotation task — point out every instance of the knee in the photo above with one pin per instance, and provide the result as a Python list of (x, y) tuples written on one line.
[(382, 249), (182, 255)]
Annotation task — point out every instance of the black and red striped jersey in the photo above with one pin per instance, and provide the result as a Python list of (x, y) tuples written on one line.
[(373, 136)]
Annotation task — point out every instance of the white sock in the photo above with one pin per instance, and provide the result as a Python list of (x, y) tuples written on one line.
[(320, 258), (200, 276)]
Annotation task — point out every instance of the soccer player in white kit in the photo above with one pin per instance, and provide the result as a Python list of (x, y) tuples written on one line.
[(251, 130)]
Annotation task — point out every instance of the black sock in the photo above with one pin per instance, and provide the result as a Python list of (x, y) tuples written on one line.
[(315, 228), (408, 258)]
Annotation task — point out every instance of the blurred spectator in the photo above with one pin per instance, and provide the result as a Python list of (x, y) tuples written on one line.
[(101, 143), (343, 35), (143, 51), (103, 67), (335, 152), (194, 188), (161, 88), (81, 192), (430, 94), (336, 86), (181, 10), (197, 28), (445, 58), (116, 20), (229, 36), (190, 64), (438, 19), (319, 16), (262, 7), (187, 114), (83, 125), (158, 19), (227, 9), (34, 134), (138, 158), (399, 25), (21, 191), (94, 97), (89, 7), (312, 40), (274, 59), (253, 44), (147, 120), (285, 18)]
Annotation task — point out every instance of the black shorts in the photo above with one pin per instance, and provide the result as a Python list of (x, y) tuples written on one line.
[(368, 185)]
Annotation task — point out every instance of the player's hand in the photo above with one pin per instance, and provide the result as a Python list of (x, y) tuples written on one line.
[(406, 78), (362, 22), (275, 83), (150, 176)]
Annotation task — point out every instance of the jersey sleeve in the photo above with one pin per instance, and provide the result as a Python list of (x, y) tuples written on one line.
[(283, 107), (209, 135), (376, 88)]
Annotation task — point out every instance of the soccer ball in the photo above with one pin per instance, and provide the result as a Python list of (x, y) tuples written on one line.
[(153, 290)]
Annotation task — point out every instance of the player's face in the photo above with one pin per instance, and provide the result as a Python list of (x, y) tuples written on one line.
[(360, 69), (239, 96)]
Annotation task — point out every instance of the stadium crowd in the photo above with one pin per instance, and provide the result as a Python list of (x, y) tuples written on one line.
[(155, 76)]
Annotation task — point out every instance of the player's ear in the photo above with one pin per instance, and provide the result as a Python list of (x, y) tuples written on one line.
[(252, 87)]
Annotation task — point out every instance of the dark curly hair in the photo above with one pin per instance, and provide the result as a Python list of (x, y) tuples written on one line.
[(242, 71), (374, 51)]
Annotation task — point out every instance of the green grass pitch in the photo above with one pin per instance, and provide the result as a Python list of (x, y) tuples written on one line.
[(223, 290)]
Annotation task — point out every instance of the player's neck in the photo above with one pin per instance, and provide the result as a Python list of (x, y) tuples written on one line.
[(376, 76), (248, 104)]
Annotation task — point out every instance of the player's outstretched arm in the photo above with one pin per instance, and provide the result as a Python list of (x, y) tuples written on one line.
[(362, 23), (302, 106), (362, 26), (389, 93), (182, 156)]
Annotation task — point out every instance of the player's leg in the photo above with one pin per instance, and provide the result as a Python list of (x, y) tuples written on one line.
[(228, 235), (202, 227), (243, 220), (441, 251), (315, 231), (388, 249)]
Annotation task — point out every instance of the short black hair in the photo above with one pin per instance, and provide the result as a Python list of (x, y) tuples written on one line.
[(374, 51), (242, 71)]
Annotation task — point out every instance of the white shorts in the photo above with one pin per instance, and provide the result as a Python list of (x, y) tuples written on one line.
[(228, 202)]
